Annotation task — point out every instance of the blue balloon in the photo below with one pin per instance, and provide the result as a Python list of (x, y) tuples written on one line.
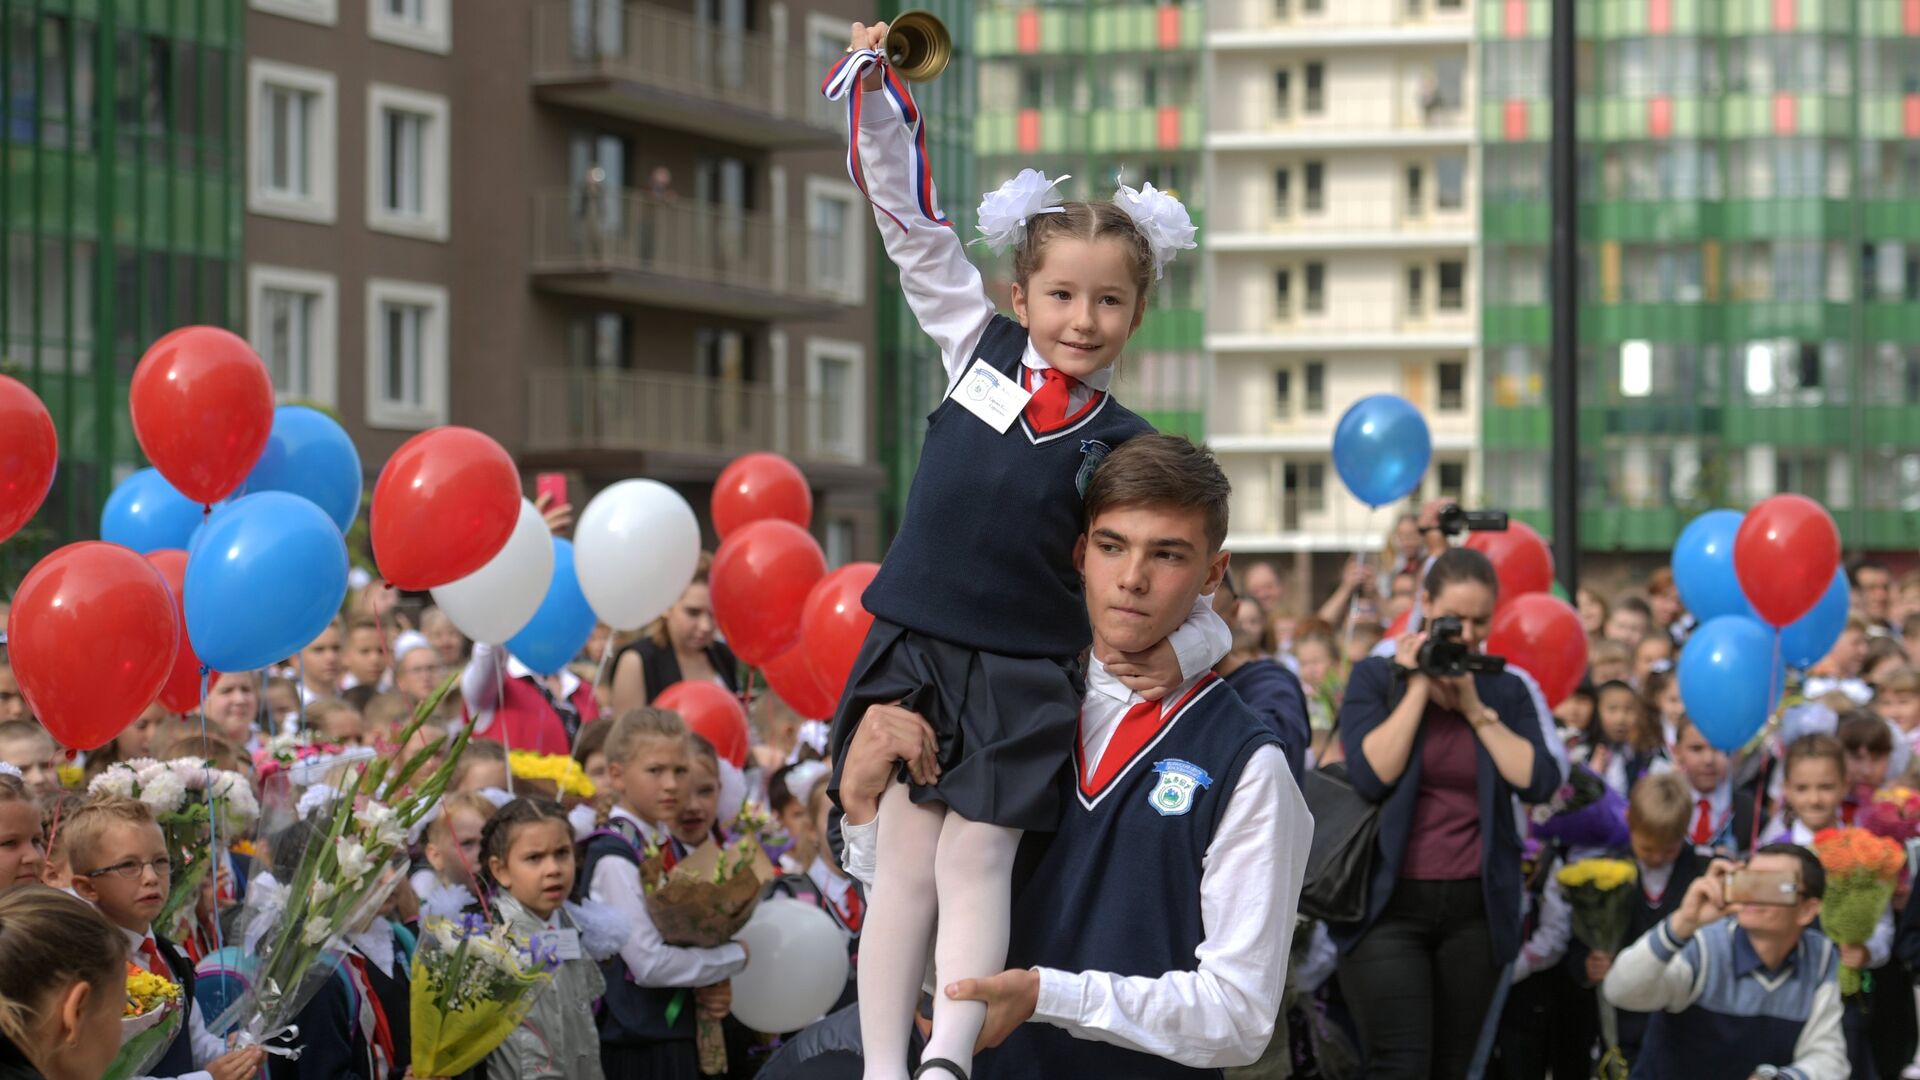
[(1703, 567), (562, 625), (1730, 679), (310, 456), (146, 514), (1381, 449), (264, 577), (1810, 637)]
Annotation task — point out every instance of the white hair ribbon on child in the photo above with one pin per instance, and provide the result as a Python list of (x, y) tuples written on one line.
[(1161, 218), (1004, 211), (12, 771)]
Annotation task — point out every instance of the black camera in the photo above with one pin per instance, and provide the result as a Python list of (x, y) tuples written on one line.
[(1443, 655), (1454, 521)]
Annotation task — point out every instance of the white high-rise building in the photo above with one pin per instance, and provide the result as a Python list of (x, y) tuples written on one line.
[(1341, 166)]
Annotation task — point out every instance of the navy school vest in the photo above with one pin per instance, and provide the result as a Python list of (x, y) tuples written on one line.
[(178, 1060), (631, 1013), (1117, 889), (984, 556)]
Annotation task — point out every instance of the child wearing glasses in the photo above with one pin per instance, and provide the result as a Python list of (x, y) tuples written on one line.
[(120, 866)]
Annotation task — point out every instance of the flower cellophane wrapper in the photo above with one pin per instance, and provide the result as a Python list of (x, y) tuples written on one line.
[(701, 904), (448, 1037), (1601, 901), (144, 1039)]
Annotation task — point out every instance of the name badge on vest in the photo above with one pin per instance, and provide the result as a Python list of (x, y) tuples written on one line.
[(564, 943), (1179, 782), (991, 396)]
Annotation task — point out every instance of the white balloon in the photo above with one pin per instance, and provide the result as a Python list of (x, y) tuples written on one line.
[(497, 601), (796, 967), (635, 549)]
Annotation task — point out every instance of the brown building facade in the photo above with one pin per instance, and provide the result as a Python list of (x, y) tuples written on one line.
[(618, 237)]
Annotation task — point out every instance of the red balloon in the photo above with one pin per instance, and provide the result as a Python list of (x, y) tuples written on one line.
[(835, 625), (28, 455), (92, 636), (1785, 554), (758, 487), (444, 505), (760, 580), (202, 408), (1543, 634), (713, 713), (792, 678), (181, 693), (1519, 557)]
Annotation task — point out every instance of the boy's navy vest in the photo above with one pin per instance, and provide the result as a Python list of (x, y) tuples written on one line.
[(1117, 889), (178, 1060), (984, 557), (631, 1013)]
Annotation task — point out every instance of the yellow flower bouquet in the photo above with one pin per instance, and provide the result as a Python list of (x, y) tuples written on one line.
[(566, 775), (150, 1022), (1600, 895)]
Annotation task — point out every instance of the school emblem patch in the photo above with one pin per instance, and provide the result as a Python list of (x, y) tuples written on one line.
[(1179, 782), (1092, 453)]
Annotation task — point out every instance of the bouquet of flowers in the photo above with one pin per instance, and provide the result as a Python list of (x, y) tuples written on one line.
[(356, 855), (1861, 869), (1894, 813), (472, 985), (191, 801), (701, 902), (1601, 901), (565, 774), (72, 777), (1583, 813), (151, 1021)]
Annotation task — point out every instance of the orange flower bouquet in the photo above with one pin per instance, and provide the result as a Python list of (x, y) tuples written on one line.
[(1861, 871)]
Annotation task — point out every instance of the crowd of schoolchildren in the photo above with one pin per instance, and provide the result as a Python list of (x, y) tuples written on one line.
[(82, 876), (1848, 730)]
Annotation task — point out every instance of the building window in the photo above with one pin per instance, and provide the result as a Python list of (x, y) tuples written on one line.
[(839, 545), (1305, 490), (1452, 286), (407, 171), (1316, 391), (1452, 380), (837, 237), (1316, 78), (1450, 183), (598, 342), (836, 425), (1315, 199), (1451, 479), (1416, 291), (292, 115), (1312, 7), (291, 320), (406, 354), (1283, 294), (1282, 192), (1316, 302), (1282, 94), (1282, 392), (1416, 192), (417, 24), (1445, 91), (324, 12)]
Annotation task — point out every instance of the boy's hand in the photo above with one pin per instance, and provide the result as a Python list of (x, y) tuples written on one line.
[(870, 37), (1152, 673), (239, 1065), (1598, 964), (1010, 997), (1854, 956), (715, 1001)]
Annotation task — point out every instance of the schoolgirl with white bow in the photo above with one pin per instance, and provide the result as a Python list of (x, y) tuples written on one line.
[(979, 620)]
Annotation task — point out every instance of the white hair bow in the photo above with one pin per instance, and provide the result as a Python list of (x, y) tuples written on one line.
[(1161, 218), (1004, 212)]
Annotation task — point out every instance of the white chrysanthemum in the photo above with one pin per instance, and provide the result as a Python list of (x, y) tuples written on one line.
[(138, 765), (164, 792), (116, 782), (1161, 218), (1004, 211), (194, 774)]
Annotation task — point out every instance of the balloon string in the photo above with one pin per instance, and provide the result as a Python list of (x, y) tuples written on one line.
[(386, 654), (500, 709), (460, 852), (600, 673), (1353, 617), (300, 697), (213, 819)]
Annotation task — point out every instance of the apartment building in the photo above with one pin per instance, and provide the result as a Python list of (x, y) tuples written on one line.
[(616, 236), (1343, 199)]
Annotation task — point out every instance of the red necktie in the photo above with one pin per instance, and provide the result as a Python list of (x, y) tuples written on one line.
[(1132, 732), (1703, 825), (1047, 409), (155, 964), (380, 1039), (854, 910)]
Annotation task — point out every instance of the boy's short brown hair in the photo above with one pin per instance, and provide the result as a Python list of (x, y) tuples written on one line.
[(389, 712), (1904, 680), (1162, 470), (1659, 809), (635, 725), (82, 832)]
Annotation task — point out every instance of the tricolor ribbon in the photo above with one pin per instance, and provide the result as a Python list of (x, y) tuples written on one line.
[(843, 81)]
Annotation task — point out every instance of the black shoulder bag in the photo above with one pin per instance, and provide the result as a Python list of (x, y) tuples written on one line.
[(1346, 844)]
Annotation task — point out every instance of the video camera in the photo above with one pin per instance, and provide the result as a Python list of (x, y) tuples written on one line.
[(1443, 655), (1454, 520)]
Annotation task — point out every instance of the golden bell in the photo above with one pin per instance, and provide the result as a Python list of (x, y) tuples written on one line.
[(918, 46)]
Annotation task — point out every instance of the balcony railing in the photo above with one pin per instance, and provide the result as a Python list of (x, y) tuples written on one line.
[(666, 68), (636, 247), (625, 410)]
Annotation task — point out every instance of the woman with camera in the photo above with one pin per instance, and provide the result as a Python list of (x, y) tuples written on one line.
[(1442, 738)]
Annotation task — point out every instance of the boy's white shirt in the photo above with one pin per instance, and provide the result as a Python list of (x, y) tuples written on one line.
[(949, 299), (206, 1045), (649, 959)]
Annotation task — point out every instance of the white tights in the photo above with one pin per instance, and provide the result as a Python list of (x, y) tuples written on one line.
[(930, 861)]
